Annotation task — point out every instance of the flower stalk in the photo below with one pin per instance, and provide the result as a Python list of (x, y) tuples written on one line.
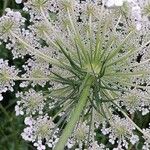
[(76, 112)]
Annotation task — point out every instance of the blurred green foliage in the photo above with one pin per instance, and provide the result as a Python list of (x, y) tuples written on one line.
[(8, 3)]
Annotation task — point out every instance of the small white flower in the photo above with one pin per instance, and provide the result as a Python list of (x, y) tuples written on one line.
[(1, 97), (39, 145), (28, 134), (112, 3), (18, 111), (145, 111), (69, 145), (138, 26), (18, 1), (28, 121), (134, 139)]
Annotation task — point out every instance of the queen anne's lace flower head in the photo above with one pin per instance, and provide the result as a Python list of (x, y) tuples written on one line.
[(86, 68)]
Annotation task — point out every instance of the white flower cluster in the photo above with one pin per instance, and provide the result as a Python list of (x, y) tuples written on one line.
[(31, 102), (10, 23), (38, 71), (7, 77), (80, 135), (147, 139), (40, 129), (120, 132), (76, 49), (135, 101), (136, 10)]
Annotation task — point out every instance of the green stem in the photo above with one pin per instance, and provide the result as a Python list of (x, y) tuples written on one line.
[(5, 5), (75, 113)]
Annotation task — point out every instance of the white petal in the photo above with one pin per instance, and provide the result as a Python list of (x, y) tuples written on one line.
[(1, 97), (138, 26), (18, 1), (110, 3), (118, 2)]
